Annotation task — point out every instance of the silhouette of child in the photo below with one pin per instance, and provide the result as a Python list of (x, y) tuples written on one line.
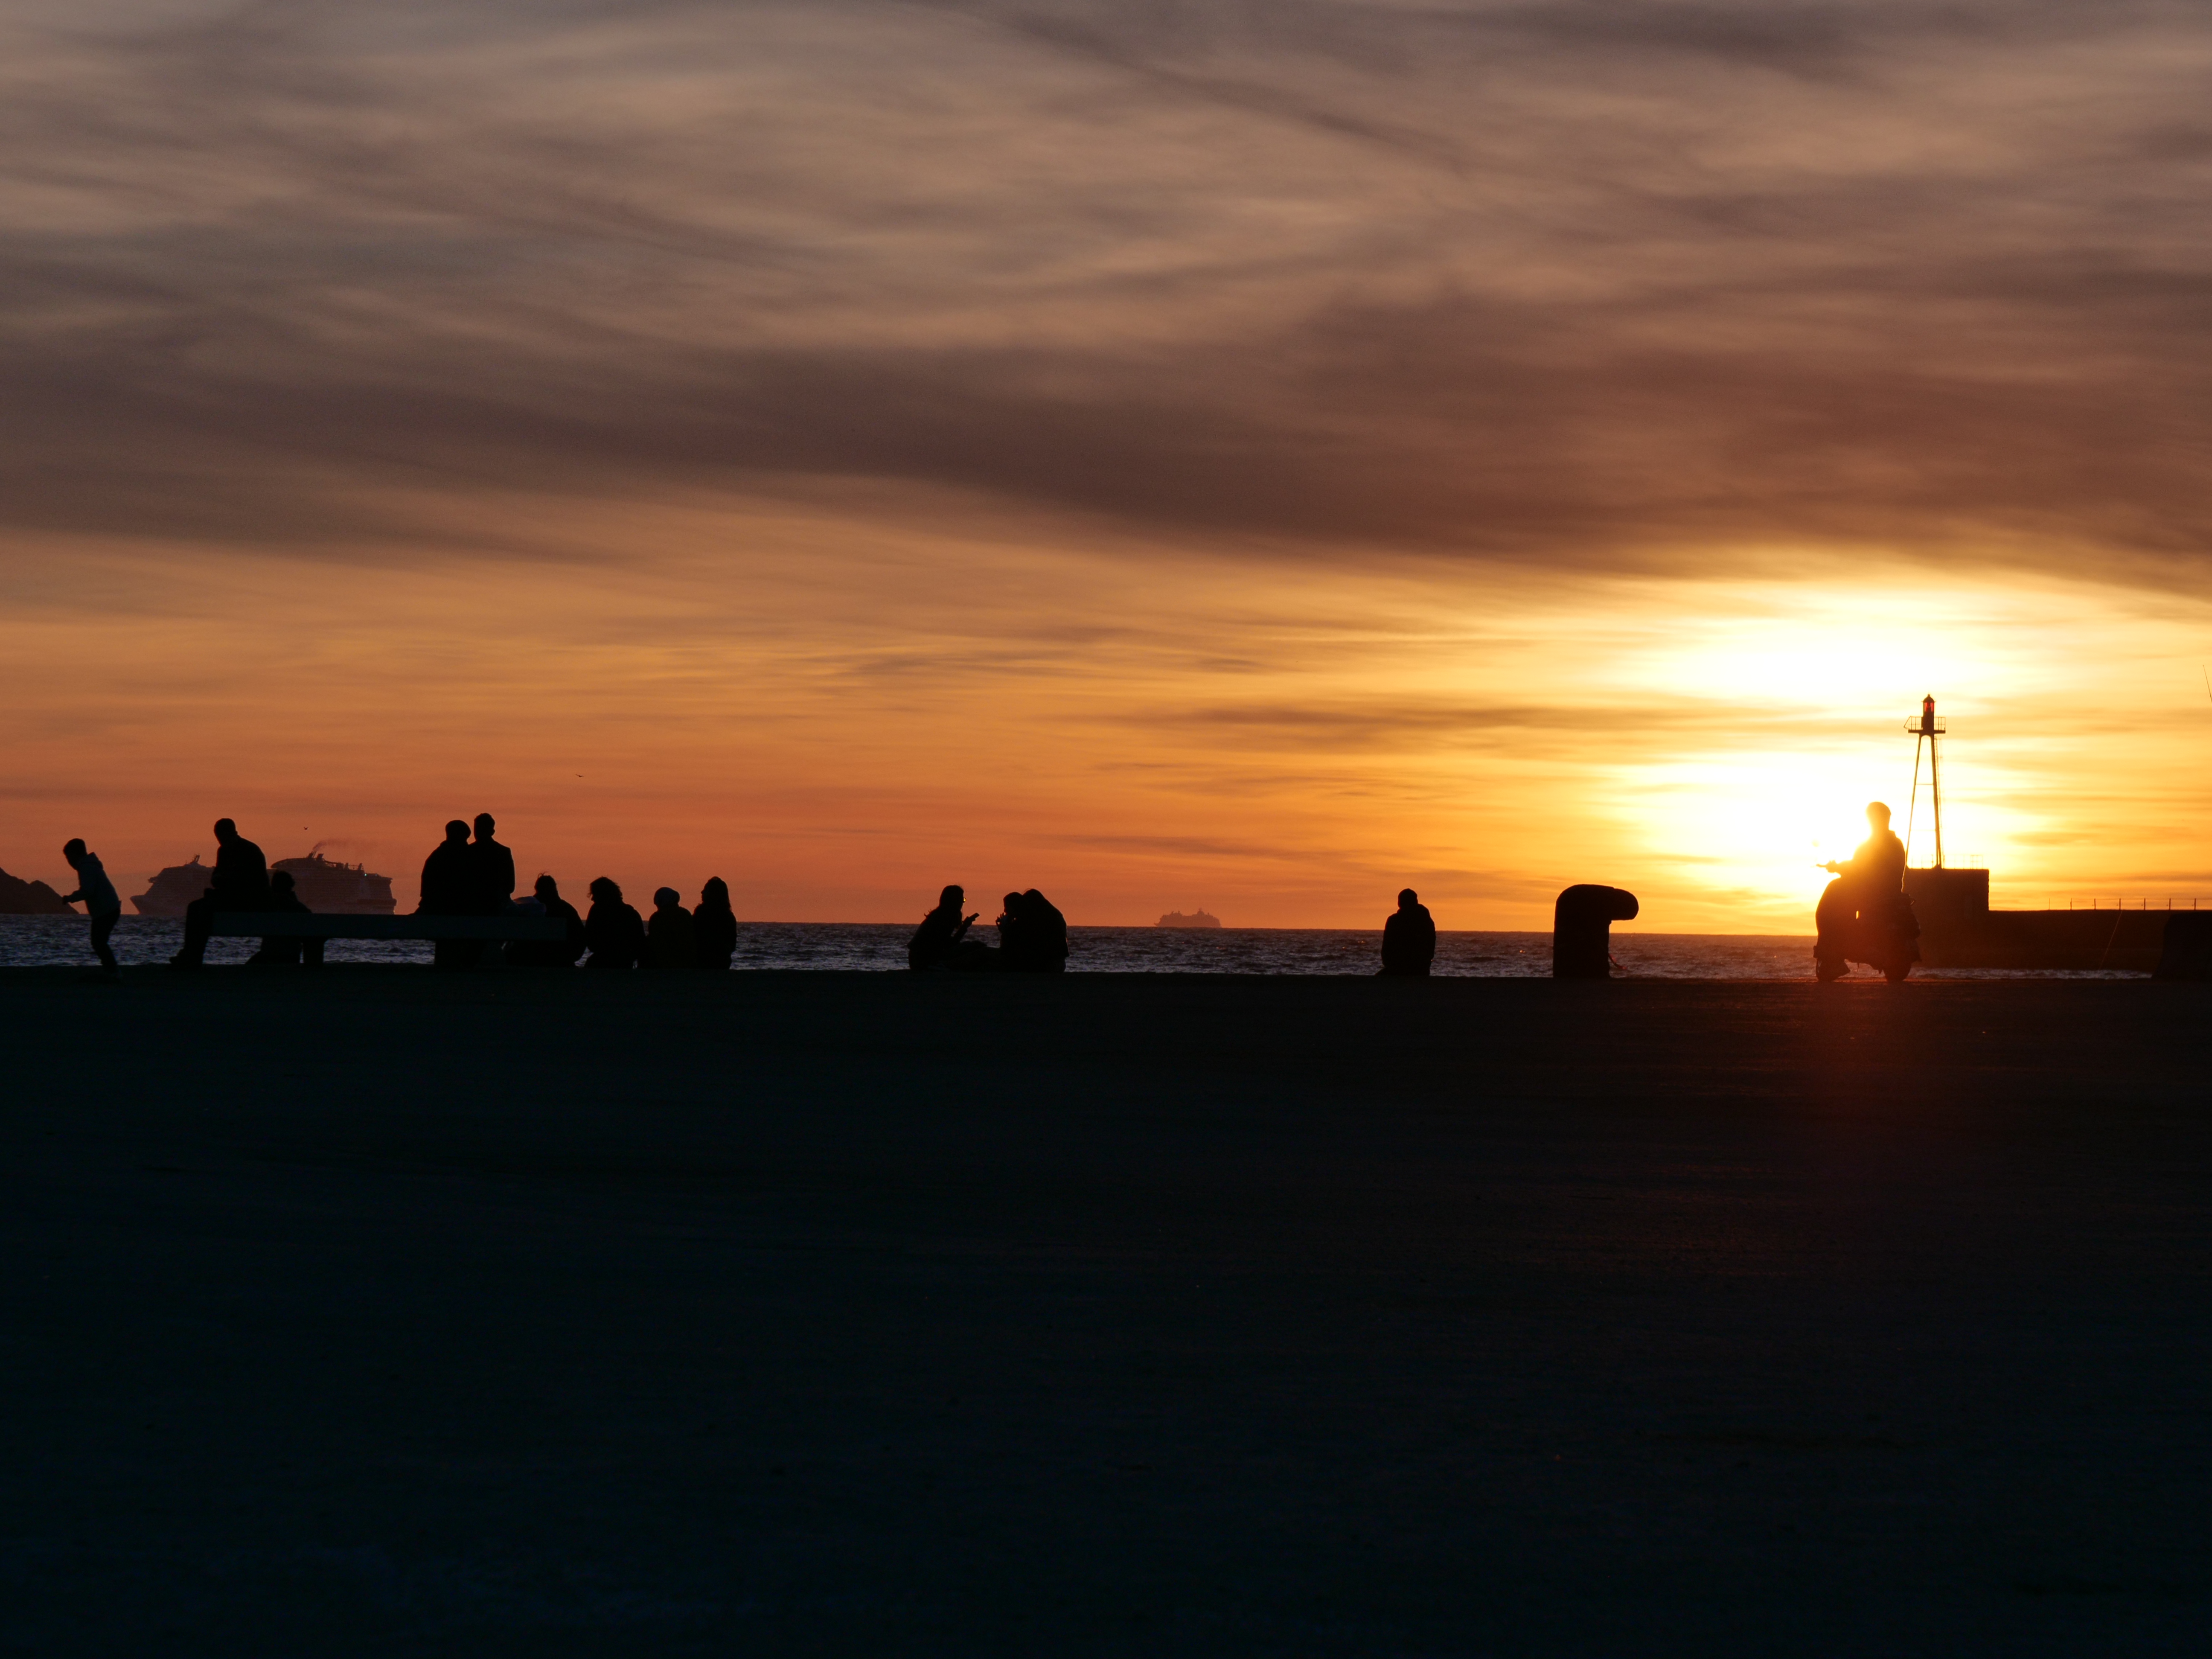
[(102, 902)]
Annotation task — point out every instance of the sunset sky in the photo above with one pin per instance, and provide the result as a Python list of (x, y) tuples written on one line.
[(1254, 455)]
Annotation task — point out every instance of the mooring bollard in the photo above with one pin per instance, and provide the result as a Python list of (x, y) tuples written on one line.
[(1581, 921), (2187, 951)]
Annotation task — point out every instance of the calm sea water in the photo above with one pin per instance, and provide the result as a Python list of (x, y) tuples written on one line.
[(45, 941)]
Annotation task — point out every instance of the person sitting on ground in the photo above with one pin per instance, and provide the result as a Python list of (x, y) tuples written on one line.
[(449, 889), (714, 925), (942, 939), (238, 882), (1009, 925), (670, 938), (277, 949), (545, 895), (613, 930), (1409, 938), (102, 904), (1039, 941)]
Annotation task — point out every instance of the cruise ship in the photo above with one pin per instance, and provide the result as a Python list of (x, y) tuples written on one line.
[(323, 886)]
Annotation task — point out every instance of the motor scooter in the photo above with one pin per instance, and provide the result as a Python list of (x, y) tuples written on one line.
[(1884, 935)]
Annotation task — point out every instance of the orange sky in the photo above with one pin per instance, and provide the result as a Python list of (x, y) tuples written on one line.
[(1255, 457)]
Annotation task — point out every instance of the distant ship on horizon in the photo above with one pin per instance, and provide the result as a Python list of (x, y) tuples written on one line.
[(1176, 919), (323, 886)]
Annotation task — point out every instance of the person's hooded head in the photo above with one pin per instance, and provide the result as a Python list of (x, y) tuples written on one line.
[(1407, 898), (667, 898)]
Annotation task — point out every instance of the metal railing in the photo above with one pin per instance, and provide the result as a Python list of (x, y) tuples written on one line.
[(2108, 903)]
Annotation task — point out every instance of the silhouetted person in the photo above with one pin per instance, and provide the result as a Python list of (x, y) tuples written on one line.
[(491, 869), (102, 904), (1409, 938), (449, 889), (942, 939), (1874, 873), (240, 881), (549, 953), (1582, 922), (670, 938), (1869, 886), (1009, 925), (1039, 939), (491, 889), (713, 926), (613, 930), (277, 950)]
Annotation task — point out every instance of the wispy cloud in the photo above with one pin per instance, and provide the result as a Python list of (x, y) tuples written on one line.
[(1587, 283)]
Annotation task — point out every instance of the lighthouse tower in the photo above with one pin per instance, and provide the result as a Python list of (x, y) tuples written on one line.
[(1951, 904), (1926, 730)]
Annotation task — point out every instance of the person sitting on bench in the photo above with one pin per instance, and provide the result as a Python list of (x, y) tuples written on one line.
[(240, 881), (279, 951), (550, 953)]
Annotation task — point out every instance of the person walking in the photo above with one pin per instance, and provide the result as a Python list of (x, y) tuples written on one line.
[(102, 902)]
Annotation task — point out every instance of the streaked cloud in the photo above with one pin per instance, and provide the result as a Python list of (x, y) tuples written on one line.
[(1552, 282)]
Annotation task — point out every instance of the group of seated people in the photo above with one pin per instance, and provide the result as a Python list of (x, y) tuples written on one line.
[(477, 877), (474, 876), (618, 937), (1032, 937), (470, 875)]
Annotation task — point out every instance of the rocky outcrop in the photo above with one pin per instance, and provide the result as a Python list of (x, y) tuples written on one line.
[(30, 898)]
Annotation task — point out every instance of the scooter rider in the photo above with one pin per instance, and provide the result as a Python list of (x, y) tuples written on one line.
[(1867, 888)]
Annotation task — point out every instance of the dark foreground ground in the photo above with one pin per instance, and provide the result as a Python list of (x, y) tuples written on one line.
[(381, 1313)]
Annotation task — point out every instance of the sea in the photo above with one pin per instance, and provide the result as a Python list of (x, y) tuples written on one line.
[(59, 941)]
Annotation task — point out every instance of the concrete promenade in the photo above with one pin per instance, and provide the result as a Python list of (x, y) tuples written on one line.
[(379, 1312)]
